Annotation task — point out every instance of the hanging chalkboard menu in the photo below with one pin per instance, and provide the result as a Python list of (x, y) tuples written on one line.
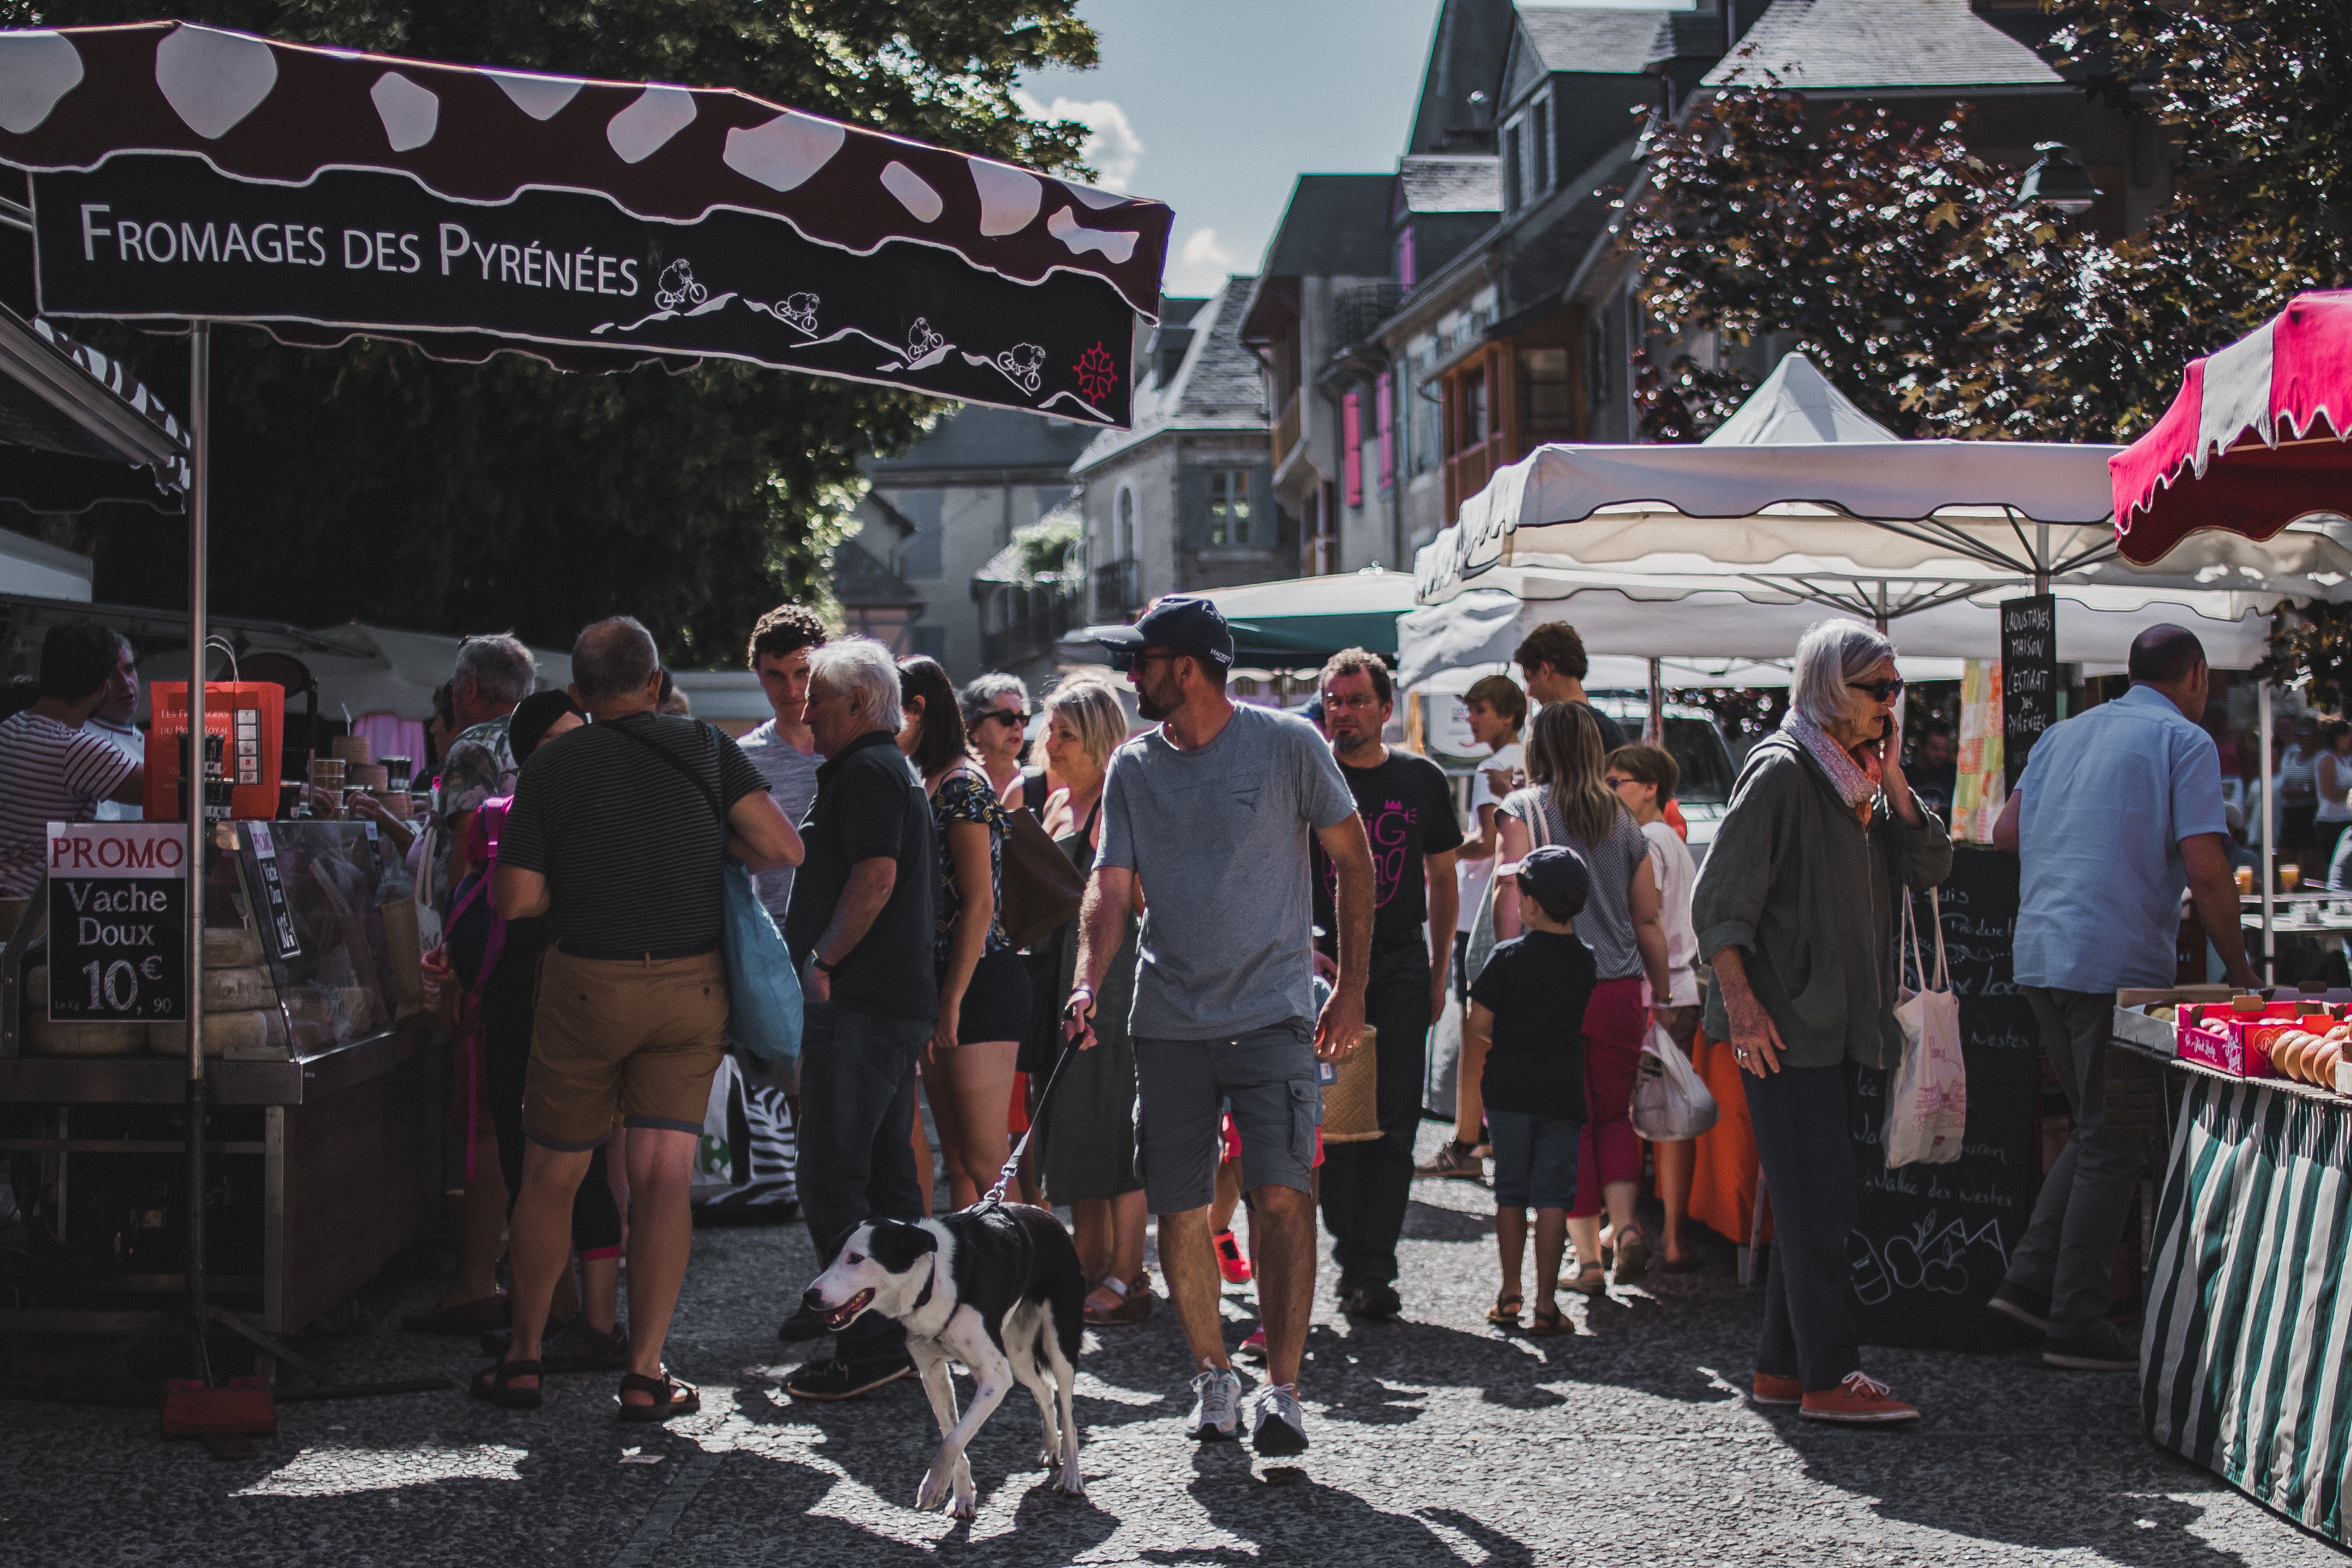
[(2029, 677), (1931, 1241)]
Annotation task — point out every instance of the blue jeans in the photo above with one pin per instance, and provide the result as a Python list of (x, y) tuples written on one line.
[(855, 1158)]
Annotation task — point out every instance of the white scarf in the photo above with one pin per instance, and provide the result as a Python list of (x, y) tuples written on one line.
[(1857, 785)]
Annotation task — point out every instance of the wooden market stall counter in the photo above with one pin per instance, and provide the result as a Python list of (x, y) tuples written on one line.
[(325, 1144), (2245, 1367)]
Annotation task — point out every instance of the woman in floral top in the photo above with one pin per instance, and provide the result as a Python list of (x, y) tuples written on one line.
[(984, 986)]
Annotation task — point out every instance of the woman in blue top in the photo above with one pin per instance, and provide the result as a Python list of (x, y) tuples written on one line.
[(984, 986)]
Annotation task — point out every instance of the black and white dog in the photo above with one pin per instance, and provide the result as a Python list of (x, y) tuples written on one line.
[(997, 1288)]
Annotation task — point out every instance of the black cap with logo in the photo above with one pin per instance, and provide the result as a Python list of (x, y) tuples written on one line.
[(1182, 622)]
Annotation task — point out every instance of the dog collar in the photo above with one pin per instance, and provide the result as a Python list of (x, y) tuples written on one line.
[(924, 1300)]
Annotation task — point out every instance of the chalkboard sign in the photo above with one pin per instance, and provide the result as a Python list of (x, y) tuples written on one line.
[(2029, 677), (1931, 1241), (118, 921)]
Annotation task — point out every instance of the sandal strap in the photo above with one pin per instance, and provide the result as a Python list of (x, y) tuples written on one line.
[(638, 1382)]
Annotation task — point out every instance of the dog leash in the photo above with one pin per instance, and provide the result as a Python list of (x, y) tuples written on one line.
[(995, 1197)]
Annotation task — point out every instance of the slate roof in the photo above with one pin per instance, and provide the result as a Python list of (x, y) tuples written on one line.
[(1433, 184), (1815, 45), (1337, 226), (1220, 386), (975, 437), (1599, 40), (859, 579)]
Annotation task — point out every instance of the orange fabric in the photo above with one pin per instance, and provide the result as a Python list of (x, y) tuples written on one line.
[(1672, 812), (1724, 1178)]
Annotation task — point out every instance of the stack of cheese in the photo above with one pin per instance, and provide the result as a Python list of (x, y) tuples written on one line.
[(241, 1012)]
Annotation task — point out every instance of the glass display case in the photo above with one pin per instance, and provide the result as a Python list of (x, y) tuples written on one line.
[(310, 945)]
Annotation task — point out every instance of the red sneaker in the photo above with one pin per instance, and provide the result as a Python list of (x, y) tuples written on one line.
[(1770, 1390), (1860, 1400), (1253, 1347), (1230, 1261)]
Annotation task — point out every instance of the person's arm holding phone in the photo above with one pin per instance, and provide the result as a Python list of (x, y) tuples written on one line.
[(1890, 771)]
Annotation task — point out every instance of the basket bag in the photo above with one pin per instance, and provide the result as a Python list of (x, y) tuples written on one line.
[(1352, 1100)]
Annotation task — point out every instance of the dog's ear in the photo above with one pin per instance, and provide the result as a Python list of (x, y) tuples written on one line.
[(899, 1247)]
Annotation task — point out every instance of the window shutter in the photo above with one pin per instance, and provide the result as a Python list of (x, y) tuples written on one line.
[(1384, 413), (1352, 445), (1194, 494), (1265, 522)]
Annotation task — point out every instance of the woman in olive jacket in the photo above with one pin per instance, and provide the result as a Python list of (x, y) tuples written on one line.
[(1796, 911)]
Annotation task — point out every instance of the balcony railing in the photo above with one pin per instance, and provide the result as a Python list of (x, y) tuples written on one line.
[(1032, 619), (1286, 429), (1118, 588), (1358, 310)]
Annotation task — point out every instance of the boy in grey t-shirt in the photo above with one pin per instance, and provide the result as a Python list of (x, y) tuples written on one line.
[(1209, 817)]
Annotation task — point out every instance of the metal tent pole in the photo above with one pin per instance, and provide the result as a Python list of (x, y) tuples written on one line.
[(1657, 735), (2270, 850), (191, 786)]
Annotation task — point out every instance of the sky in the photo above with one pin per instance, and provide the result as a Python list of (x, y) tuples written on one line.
[(1216, 107)]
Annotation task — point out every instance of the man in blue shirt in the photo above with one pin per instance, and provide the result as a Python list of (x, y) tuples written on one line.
[(2120, 809)]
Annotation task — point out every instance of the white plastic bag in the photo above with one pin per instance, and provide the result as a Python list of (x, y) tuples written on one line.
[(1928, 1095), (1671, 1102)]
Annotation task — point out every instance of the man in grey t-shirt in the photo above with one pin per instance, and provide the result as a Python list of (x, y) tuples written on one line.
[(1211, 813)]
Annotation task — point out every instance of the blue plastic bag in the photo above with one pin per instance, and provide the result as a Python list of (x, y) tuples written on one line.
[(763, 994)]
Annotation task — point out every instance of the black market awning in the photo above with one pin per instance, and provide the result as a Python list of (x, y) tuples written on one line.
[(187, 172)]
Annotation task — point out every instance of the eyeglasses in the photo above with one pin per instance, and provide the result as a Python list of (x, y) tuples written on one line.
[(1618, 780), (1356, 703), (1880, 691)]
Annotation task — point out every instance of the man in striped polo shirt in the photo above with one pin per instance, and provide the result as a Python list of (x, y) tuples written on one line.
[(51, 768)]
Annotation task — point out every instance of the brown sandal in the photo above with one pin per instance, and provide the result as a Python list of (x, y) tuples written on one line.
[(1590, 1281), (495, 1384), (1505, 1312), (671, 1397), (1134, 1306), (1541, 1323)]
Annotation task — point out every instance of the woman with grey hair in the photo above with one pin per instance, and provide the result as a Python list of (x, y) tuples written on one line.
[(1796, 911), (995, 717)]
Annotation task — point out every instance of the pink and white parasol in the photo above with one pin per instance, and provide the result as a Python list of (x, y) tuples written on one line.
[(2256, 440)]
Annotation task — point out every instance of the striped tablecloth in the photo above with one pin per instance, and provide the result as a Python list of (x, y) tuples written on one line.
[(2243, 1364)]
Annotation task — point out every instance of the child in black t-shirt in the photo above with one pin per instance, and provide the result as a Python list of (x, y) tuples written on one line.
[(1527, 1007)]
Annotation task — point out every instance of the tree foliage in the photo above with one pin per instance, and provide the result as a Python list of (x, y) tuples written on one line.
[(1899, 261), (370, 482)]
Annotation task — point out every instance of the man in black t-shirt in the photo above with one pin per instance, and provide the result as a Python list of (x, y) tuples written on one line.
[(617, 835), (1408, 813), (860, 927)]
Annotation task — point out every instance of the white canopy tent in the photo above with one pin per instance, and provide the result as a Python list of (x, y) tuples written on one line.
[(1801, 494)]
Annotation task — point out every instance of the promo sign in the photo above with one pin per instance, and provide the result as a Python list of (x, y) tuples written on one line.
[(148, 234), (2029, 677), (118, 921)]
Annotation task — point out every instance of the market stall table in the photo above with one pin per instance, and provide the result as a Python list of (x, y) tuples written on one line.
[(2243, 1366)]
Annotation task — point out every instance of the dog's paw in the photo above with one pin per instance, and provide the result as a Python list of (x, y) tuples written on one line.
[(934, 1489), (1048, 1456), (1069, 1483), (965, 1504)]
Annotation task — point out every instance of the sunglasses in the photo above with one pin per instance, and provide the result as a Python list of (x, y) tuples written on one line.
[(1880, 691), (1129, 658), (1010, 716)]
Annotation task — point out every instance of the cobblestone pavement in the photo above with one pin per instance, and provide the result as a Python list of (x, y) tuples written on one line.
[(1436, 1440)]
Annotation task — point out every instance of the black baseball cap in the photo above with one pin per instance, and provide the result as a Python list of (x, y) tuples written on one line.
[(1556, 874), (1184, 622)]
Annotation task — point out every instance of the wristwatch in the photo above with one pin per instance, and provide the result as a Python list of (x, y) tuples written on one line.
[(820, 966)]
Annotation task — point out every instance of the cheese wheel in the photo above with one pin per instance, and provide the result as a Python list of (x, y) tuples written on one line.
[(83, 1040), (231, 947), (238, 990), (261, 1032)]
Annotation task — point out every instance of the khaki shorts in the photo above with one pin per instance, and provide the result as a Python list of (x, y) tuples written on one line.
[(629, 1041)]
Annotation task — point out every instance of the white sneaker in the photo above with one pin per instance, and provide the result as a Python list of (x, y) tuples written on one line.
[(1216, 1406), (1279, 1429)]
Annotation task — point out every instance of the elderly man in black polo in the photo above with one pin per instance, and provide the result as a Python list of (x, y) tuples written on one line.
[(860, 928)]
